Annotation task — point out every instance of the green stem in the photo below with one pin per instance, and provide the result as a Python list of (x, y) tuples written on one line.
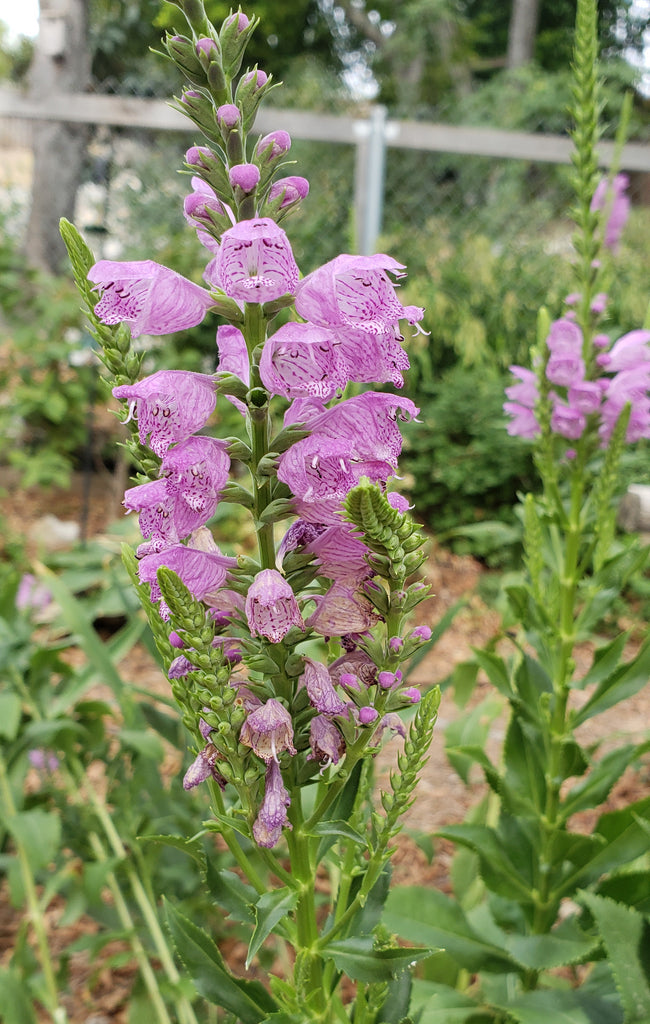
[(185, 1012), (144, 965), (36, 915)]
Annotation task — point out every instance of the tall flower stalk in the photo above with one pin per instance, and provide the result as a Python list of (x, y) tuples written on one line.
[(289, 665)]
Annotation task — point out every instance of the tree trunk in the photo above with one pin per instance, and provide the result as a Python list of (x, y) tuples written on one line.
[(61, 65), (521, 32)]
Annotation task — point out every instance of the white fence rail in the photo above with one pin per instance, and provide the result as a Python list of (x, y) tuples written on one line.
[(370, 134)]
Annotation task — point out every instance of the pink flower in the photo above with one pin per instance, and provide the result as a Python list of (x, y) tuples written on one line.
[(354, 291), (327, 744), (255, 262), (169, 405), (566, 421), (301, 359), (373, 358), (271, 607), (155, 506), (585, 396), (612, 198), (204, 767), (273, 146), (196, 470), (341, 556), (630, 352), (564, 336), (525, 392), (202, 572), (268, 730), (150, 298), (272, 816), (322, 695), (523, 421), (342, 610)]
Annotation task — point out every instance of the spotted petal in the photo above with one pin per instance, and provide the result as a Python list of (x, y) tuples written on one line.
[(150, 298)]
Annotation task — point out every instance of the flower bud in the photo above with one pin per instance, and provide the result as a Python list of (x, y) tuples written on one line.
[(183, 53), (367, 715), (234, 36), (272, 148), (199, 109), (251, 89), (245, 177)]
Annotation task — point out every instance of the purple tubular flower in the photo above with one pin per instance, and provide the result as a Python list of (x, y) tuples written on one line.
[(398, 501), (233, 358), (302, 360), (170, 405), (342, 611), (613, 199), (196, 469), (341, 556), (244, 176), (585, 396), (630, 352), (354, 291), (523, 421), (255, 262), (272, 816), (292, 189), (155, 506), (271, 607), (523, 398), (355, 663), (150, 298), (627, 386), (268, 730), (204, 767), (358, 437), (394, 722), (327, 744), (202, 572), (31, 594), (373, 358), (299, 534), (566, 421), (319, 686)]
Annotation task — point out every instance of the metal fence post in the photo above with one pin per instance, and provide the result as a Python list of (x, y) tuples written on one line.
[(369, 179)]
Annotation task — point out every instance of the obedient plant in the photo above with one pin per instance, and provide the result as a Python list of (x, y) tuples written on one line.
[(288, 664), (551, 916)]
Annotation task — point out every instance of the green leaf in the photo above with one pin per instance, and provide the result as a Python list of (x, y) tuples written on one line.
[(626, 936), (622, 683), (357, 958), (144, 743), (192, 847), (431, 917), (566, 945), (231, 894), (441, 1004), (594, 789), (466, 735), (15, 1005), (606, 659), (496, 670), (10, 714), (561, 1007), (622, 838), (338, 829), (270, 908), (38, 832), (247, 1000), (497, 869)]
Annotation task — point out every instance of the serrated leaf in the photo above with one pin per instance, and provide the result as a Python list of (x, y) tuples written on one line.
[(357, 958), (338, 829), (231, 894), (622, 683), (561, 1007), (270, 908), (566, 945), (431, 917), (594, 789), (626, 936), (248, 1000), (192, 847)]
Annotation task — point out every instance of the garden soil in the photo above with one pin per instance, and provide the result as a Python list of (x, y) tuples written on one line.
[(99, 992)]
